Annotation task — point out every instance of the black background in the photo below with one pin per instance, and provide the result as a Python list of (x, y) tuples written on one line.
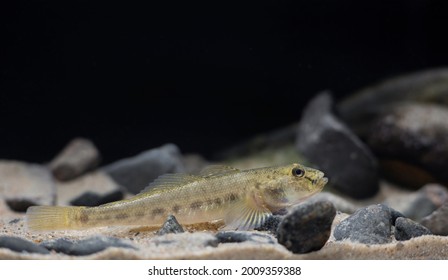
[(204, 76)]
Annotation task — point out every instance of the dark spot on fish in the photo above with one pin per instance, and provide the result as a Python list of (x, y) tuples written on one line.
[(84, 218), (257, 185), (218, 201), (140, 214), (232, 197), (158, 211), (209, 202), (122, 216), (275, 192), (196, 205), (176, 209)]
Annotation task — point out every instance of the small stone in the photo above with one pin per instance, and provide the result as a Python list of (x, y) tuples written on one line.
[(84, 247), (23, 185), (307, 227), (369, 225), (437, 222), (78, 157), (243, 236), (420, 204), (271, 224), (170, 226), (91, 189), (20, 245), (406, 229), (328, 143), (137, 172), (93, 199)]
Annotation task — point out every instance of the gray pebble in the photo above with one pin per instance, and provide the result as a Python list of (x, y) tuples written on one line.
[(20, 245), (78, 157), (328, 143), (242, 236), (84, 247), (271, 224), (369, 225), (307, 227), (406, 229), (137, 172), (437, 222), (94, 199), (170, 226)]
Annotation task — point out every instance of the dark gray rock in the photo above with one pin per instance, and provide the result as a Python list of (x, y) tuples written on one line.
[(307, 227), (20, 245), (420, 204), (437, 222), (25, 185), (84, 247), (328, 143), (363, 107), (406, 229), (369, 225), (94, 199), (271, 224), (243, 236), (78, 157), (417, 135), (170, 226), (137, 172)]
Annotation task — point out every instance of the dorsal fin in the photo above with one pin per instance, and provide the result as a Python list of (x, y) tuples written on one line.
[(214, 170), (170, 180)]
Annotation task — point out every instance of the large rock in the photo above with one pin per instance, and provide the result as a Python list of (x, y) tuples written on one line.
[(416, 134), (78, 157), (307, 227), (437, 222), (23, 185), (360, 109), (328, 143), (369, 225), (137, 172)]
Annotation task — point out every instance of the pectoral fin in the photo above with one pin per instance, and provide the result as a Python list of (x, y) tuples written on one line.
[(247, 213)]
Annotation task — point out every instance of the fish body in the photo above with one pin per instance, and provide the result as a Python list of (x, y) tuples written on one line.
[(243, 199)]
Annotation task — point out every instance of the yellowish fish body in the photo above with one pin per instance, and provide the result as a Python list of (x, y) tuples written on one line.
[(242, 199)]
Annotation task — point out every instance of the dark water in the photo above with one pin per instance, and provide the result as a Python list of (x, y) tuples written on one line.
[(201, 76)]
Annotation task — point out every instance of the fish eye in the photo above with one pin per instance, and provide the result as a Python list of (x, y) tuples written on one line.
[(298, 172)]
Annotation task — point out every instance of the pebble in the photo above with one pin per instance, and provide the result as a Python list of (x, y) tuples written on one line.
[(369, 225), (20, 245), (171, 225), (307, 227), (329, 144), (406, 229), (416, 134), (24, 184), (437, 222), (137, 172), (92, 189), (78, 157), (271, 224), (93, 199), (84, 247), (243, 236), (421, 203)]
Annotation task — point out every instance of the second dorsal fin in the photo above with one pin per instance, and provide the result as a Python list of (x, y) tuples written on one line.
[(170, 181), (214, 170)]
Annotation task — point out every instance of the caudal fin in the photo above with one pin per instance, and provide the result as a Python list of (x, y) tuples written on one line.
[(50, 217)]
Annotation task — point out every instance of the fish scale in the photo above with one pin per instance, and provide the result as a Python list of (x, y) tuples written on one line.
[(243, 199)]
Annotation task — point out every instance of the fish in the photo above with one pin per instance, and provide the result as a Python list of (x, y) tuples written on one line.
[(242, 199)]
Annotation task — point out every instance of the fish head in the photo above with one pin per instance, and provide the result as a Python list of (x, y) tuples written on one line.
[(291, 184)]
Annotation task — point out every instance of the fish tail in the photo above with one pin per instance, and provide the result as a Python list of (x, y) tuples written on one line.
[(52, 217)]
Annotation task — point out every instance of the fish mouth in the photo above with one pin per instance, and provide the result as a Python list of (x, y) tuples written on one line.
[(320, 183)]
